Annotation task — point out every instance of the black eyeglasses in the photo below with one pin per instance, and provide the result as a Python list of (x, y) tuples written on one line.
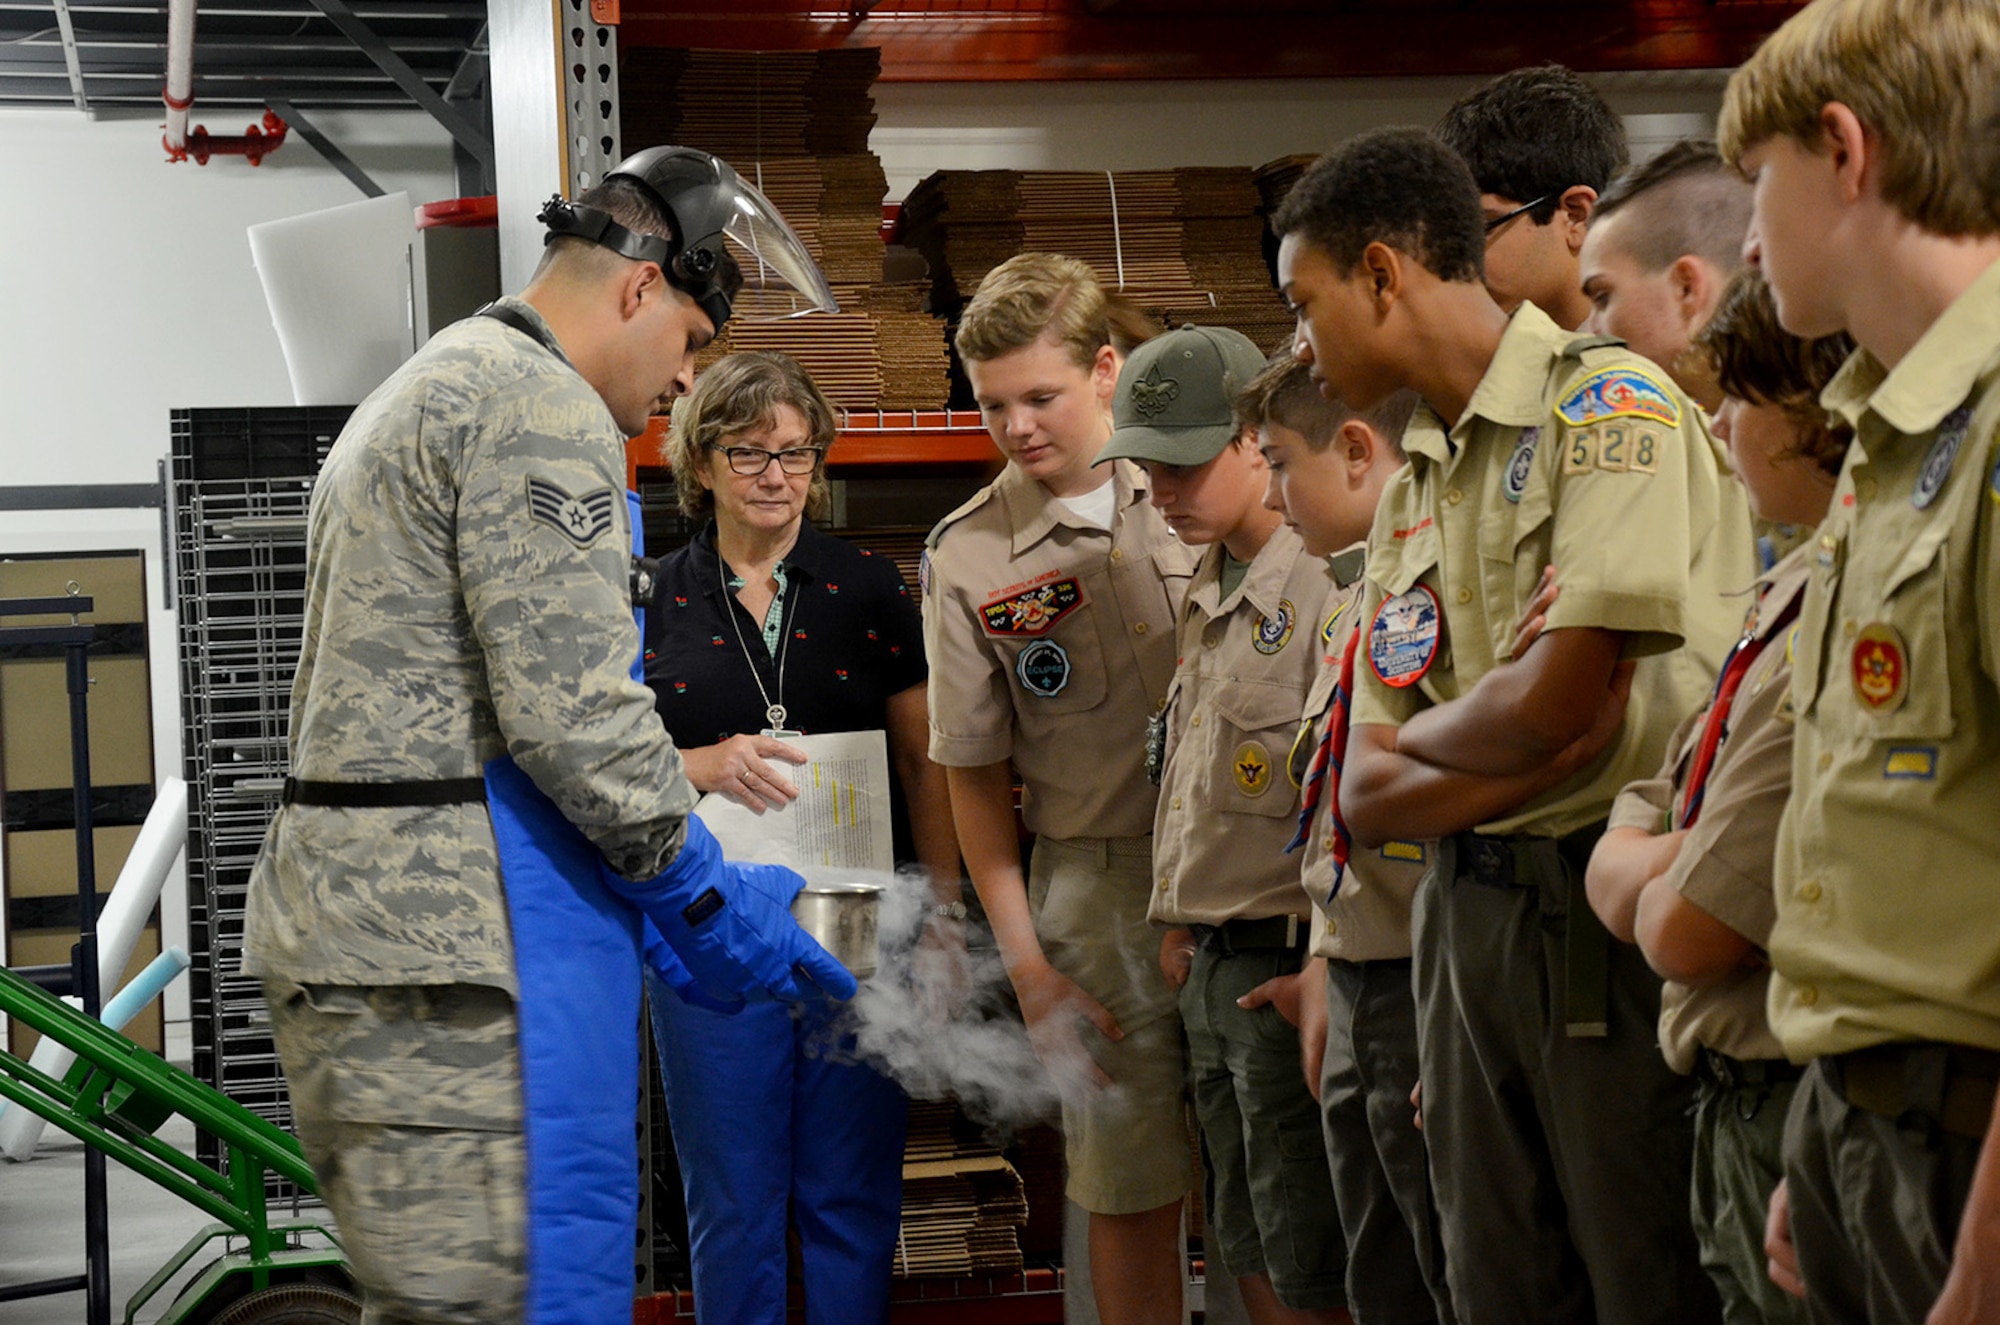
[(1496, 222), (750, 461)]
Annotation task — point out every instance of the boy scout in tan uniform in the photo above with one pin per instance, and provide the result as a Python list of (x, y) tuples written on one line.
[(1239, 918), (1049, 623), (1885, 953), (1716, 1031), (1564, 451)]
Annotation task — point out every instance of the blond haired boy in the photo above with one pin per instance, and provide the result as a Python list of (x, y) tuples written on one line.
[(1049, 609), (1857, 123)]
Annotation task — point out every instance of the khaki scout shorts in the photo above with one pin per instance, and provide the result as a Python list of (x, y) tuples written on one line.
[(1127, 1146), (407, 1101)]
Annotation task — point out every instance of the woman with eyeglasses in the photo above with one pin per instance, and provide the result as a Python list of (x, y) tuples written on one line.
[(763, 627)]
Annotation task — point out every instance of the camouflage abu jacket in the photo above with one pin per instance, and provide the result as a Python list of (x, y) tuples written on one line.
[(467, 595)]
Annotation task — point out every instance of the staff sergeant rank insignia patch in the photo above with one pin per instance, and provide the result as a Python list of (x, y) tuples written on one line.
[(582, 520), (1032, 611), (1274, 633), (1612, 393), (1043, 668)]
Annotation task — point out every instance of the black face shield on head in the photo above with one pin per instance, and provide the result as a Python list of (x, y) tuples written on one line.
[(709, 204)]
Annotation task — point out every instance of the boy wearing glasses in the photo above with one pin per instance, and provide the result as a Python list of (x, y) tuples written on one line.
[(1542, 145), (1559, 1137), (1050, 601)]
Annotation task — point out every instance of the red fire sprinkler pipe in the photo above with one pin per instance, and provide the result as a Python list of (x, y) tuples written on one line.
[(253, 144)]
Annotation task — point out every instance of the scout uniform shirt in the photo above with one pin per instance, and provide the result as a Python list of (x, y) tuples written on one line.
[(1368, 918), (1886, 883), (1226, 807), (1576, 452), (1724, 865), (1051, 642)]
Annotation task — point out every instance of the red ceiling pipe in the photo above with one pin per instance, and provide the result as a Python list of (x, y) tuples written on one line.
[(253, 144)]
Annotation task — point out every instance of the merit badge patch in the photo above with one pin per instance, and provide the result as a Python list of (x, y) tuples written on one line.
[(1943, 454), (1881, 667), (1032, 611), (1516, 481), (1913, 763), (1275, 632), (1250, 766), (582, 520), (1043, 668), (1403, 637), (1613, 393)]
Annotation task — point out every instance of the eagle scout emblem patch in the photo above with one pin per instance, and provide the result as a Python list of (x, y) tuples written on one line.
[(582, 520), (1032, 611), (1613, 393), (1250, 766), (1881, 667), (1516, 481), (1043, 668), (1403, 637), (1275, 632), (1943, 454), (1152, 393)]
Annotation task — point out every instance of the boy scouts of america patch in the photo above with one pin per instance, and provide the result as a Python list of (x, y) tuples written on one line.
[(1613, 393), (1250, 766), (1274, 633), (1881, 667), (582, 520), (1032, 611), (1943, 454), (1152, 393), (1523, 463), (1403, 637), (1043, 668)]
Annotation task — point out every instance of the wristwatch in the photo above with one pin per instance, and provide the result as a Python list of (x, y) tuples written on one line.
[(949, 910)]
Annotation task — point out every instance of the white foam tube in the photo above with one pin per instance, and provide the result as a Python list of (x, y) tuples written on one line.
[(138, 888), (21, 1129), (118, 927)]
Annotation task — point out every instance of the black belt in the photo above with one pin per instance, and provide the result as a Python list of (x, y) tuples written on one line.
[(1271, 934), (1519, 860), (1927, 1088), (374, 795), (1750, 1080)]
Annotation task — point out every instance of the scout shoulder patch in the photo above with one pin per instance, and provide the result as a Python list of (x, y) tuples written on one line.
[(1032, 610), (1942, 456), (1403, 637), (1521, 465), (581, 519), (1616, 446), (1881, 666), (1250, 766), (1043, 668), (1275, 632), (1622, 392)]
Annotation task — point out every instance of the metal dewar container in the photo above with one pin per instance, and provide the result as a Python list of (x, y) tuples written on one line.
[(845, 919)]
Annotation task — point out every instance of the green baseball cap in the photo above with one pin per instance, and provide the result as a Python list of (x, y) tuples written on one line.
[(1175, 399)]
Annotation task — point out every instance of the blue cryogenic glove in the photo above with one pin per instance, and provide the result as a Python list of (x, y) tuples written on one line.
[(731, 925), (662, 960)]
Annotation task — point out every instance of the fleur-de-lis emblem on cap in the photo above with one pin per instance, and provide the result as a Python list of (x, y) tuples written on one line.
[(1152, 393)]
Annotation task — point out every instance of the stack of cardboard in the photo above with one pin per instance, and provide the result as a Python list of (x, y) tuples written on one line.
[(1186, 245), (796, 125), (963, 1206)]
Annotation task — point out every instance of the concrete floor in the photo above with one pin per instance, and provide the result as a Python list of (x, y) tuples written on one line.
[(41, 1228)]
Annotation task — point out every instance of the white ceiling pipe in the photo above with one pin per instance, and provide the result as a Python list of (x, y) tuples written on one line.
[(179, 94)]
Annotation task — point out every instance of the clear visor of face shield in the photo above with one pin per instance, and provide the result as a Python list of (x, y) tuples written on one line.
[(780, 279)]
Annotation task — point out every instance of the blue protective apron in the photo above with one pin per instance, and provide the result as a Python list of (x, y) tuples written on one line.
[(577, 966)]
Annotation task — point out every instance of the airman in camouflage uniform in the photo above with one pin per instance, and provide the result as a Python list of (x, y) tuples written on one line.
[(468, 601)]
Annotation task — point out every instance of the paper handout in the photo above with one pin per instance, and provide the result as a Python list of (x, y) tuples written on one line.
[(837, 827)]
